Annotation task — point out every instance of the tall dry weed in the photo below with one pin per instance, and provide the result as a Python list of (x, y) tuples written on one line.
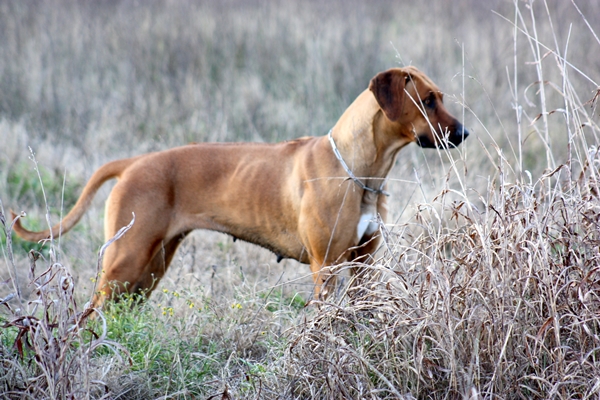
[(501, 302), (53, 347)]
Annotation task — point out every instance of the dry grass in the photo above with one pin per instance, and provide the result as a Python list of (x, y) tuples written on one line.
[(486, 285), (499, 302), (49, 331)]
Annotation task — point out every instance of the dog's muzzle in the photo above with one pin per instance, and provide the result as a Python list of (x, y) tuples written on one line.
[(450, 138)]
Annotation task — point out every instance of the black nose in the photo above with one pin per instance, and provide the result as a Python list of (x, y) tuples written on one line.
[(459, 134), (451, 138)]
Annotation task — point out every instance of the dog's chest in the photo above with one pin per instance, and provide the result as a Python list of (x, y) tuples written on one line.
[(367, 224)]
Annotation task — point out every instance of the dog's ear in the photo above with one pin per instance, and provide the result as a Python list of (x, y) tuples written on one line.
[(388, 88)]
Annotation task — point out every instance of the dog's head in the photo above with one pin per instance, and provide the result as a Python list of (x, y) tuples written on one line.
[(412, 102)]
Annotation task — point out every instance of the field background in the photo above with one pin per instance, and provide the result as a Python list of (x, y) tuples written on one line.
[(83, 83)]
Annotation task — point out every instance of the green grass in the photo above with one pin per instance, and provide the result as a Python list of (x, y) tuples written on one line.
[(277, 299), (178, 345), (32, 187), (24, 182), (176, 355)]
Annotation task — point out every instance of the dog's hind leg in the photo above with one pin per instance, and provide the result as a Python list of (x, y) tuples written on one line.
[(135, 272), (131, 261), (157, 267), (121, 271)]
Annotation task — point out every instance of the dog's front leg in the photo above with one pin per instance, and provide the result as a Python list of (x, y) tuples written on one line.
[(324, 254), (325, 281)]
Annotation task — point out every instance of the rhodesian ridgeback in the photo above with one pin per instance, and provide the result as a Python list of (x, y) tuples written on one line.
[(314, 199)]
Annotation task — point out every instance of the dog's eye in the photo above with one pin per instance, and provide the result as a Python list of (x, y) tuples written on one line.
[(429, 101)]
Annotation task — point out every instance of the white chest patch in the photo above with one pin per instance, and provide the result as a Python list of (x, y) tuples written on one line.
[(366, 225)]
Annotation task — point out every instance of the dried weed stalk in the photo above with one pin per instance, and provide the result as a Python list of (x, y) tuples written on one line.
[(52, 345), (501, 302)]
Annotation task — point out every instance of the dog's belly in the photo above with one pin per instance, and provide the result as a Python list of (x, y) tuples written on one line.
[(283, 244), (281, 241)]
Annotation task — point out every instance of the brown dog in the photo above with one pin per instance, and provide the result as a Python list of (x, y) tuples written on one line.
[(313, 199)]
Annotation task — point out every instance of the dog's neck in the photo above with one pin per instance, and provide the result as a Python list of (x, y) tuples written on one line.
[(369, 144)]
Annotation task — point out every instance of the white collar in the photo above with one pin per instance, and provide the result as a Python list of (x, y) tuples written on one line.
[(351, 174)]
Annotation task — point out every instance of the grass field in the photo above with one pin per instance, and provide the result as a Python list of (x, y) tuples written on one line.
[(487, 285)]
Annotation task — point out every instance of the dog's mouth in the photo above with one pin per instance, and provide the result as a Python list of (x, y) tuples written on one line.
[(448, 140)]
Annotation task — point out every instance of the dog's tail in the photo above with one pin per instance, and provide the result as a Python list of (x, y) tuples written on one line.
[(108, 171)]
